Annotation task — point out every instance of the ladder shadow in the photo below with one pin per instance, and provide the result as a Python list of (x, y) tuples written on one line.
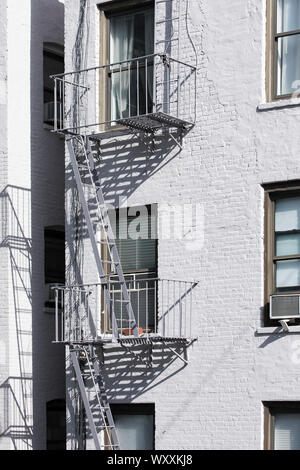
[(124, 165), (15, 204), (15, 424)]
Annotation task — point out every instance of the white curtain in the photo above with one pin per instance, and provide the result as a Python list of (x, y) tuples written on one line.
[(129, 40), (288, 19), (121, 47)]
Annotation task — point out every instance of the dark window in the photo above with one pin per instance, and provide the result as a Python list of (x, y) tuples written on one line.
[(135, 426), (56, 425), (282, 426), (53, 64), (54, 256)]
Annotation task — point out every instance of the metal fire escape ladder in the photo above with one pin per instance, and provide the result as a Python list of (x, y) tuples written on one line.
[(105, 224), (99, 415)]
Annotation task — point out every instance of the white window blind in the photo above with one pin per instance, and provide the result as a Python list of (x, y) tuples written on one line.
[(287, 431), (135, 431), (136, 241)]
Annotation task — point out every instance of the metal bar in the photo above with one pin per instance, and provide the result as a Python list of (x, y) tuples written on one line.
[(55, 105), (89, 222), (138, 89), (56, 316), (147, 307), (175, 352), (85, 400), (180, 311), (146, 85), (129, 89)]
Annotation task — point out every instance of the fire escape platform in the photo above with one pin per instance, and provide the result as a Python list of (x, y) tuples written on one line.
[(130, 340), (149, 124)]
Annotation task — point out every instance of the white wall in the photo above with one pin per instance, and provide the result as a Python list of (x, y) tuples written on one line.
[(216, 401), (35, 177)]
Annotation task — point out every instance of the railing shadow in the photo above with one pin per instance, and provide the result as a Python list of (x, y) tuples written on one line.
[(16, 424)]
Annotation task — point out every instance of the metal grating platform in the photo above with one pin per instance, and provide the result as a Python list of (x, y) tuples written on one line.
[(155, 121)]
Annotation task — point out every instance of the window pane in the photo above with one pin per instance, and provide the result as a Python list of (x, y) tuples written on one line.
[(287, 431), (135, 431), (287, 214), (287, 275), (287, 245), (131, 36), (53, 64), (288, 64), (288, 15)]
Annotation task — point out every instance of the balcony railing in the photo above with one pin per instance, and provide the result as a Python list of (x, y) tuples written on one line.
[(162, 308), (144, 93)]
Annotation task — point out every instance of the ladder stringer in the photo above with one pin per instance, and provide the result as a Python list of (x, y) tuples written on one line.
[(92, 236), (103, 411), (85, 399), (105, 220)]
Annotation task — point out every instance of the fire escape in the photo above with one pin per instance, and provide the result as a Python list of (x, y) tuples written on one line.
[(121, 309)]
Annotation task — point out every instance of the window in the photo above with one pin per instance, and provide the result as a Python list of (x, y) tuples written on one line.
[(54, 238), (53, 64), (282, 240), (284, 57), (282, 426), (135, 426), (127, 34), (56, 425), (136, 240)]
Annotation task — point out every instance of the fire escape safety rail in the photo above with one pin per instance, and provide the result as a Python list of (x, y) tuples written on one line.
[(144, 94), (163, 310), (141, 94)]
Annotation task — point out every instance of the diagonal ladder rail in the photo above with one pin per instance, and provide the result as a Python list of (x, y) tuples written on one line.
[(106, 419), (104, 220)]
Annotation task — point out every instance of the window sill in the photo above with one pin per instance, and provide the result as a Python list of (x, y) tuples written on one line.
[(277, 330), (289, 103)]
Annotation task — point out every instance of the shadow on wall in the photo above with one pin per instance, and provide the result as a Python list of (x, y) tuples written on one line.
[(16, 425), (15, 203), (123, 166), (129, 373)]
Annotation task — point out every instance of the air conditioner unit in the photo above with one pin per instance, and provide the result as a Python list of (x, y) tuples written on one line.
[(50, 295), (49, 114), (283, 307)]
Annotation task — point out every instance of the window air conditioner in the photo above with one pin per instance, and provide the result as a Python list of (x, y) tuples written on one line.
[(49, 112), (50, 295), (284, 306)]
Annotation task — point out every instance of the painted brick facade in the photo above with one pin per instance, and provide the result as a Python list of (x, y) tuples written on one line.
[(32, 188), (216, 401)]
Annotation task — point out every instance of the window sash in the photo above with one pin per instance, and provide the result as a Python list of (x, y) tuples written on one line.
[(276, 69)]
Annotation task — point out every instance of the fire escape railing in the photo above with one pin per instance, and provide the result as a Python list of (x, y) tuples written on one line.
[(145, 93), (163, 308)]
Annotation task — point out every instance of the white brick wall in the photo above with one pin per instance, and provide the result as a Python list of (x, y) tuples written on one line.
[(32, 165), (216, 401)]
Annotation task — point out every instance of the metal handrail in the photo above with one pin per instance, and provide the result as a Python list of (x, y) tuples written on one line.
[(162, 308), (147, 92), (162, 56)]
